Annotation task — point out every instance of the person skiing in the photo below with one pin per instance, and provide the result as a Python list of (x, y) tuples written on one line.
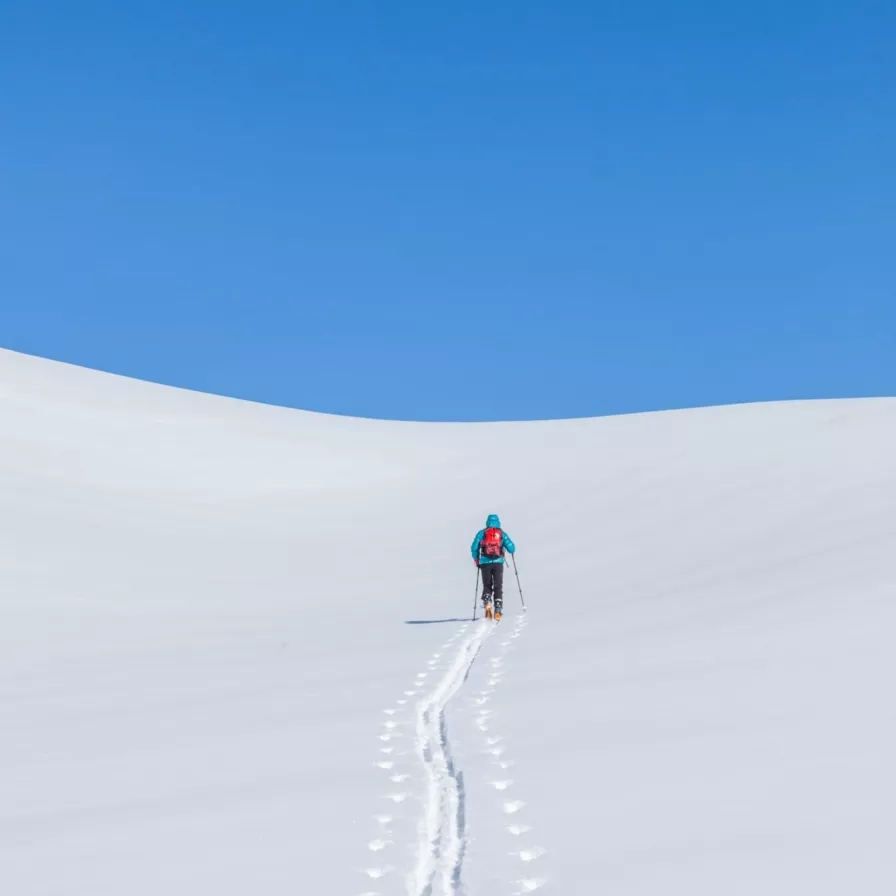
[(488, 549)]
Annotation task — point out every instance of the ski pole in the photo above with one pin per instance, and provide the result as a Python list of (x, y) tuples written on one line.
[(475, 593), (517, 574)]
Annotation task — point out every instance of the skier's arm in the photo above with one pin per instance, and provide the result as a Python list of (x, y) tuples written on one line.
[(477, 541), (509, 546)]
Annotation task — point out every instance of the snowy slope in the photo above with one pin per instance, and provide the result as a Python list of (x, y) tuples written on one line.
[(235, 655)]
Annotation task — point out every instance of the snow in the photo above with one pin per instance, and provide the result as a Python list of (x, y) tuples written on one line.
[(236, 654)]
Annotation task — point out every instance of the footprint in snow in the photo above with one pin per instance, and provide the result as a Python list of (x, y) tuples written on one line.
[(518, 829), (513, 807), (530, 855), (501, 785)]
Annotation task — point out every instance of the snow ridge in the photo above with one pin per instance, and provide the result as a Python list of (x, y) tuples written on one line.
[(442, 843)]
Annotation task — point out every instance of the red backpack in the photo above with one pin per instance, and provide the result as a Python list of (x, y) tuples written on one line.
[(492, 544)]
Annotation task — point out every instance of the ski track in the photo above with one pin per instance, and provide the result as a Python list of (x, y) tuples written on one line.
[(442, 844), (523, 850), (441, 841)]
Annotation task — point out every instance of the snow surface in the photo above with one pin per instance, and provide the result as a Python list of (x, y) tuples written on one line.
[(236, 656)]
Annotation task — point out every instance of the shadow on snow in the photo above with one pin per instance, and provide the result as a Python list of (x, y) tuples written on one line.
[(435, 621)]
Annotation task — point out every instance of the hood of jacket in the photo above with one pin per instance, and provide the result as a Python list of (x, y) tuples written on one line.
[(493, 521)]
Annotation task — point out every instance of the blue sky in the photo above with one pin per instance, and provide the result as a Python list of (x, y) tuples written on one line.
[(463, 211)]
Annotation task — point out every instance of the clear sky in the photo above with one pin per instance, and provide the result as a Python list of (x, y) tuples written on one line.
[(471, 210)]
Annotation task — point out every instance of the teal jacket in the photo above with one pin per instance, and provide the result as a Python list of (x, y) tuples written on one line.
[(493, 522)]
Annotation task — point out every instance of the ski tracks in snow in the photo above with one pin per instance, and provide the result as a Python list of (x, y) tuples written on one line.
[(441, 841), (512, 808), (440, 838)]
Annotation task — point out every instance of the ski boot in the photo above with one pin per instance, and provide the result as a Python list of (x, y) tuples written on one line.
[(497, 613), (488, 611)]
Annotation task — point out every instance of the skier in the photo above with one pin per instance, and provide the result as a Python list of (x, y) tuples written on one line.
[(488, 549)]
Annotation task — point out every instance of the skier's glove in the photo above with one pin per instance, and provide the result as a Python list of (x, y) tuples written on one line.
[(475, 561)]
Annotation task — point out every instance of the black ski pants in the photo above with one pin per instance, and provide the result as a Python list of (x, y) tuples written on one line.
[(492, 583)]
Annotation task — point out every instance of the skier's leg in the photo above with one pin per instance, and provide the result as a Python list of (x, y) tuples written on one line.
[(498, 585), (487, 570)]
